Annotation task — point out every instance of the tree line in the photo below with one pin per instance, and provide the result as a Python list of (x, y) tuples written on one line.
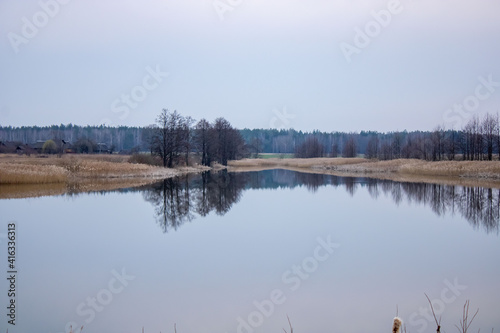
[(218, 141), (119, 139), (173, 138), (478, 140)]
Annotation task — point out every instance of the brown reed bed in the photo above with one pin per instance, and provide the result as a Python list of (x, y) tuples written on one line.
[(465, 173), (28, 176), (474, 169)]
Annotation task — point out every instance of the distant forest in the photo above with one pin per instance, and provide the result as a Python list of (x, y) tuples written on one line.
[(479, 139)]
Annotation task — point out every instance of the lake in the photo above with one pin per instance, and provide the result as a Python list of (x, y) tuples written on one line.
[(239, 252)]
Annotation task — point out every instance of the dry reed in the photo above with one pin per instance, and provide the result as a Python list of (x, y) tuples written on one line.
[(396, 325), (13, 173), (462, 169), (16, 169)]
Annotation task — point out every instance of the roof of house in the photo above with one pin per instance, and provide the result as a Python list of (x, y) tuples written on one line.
[(38, 145)]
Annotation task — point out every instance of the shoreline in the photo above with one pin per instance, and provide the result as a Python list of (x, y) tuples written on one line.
[(462, 173), (24, 177)]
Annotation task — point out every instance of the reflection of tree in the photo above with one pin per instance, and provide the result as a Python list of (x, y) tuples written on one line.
[(312, 181), (373, 187), (482, 207), (171, 199), (350, 185), (179, 200), (224, 190), (478, 205), (397, 193)]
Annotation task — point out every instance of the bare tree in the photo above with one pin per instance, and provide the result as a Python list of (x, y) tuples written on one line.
[(227, 141), (386, 151), (489, 130), (256, 145), (466, 142), (473, 142), (451, 144), (221, 138), (478, 140), (396, 145), (372, 148), (335, 149), (437, 140), (350, 148), (167, 141), (309, 149), (498, 134), (202, 141), (185, 133)]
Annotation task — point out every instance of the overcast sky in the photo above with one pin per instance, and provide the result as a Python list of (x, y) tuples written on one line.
[(307, 64)]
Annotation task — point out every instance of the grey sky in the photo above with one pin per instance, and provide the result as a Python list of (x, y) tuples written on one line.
[(260, 64)]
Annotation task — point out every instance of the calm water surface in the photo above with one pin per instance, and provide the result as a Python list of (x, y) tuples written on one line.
[(238, 252)]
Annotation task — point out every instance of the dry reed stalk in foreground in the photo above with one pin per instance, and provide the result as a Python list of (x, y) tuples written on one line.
[(465, 323), (290, 324), (438, 323)]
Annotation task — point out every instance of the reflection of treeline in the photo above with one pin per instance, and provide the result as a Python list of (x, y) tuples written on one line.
[(179, 200), (478, 205)]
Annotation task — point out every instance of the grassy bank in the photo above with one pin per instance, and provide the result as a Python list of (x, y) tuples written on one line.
[(467, 173), (34, 176)]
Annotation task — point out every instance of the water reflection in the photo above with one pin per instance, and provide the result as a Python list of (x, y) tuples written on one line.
[(478, 205), (180, 200), (177, 199)]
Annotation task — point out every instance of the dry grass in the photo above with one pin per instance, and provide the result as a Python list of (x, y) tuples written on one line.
[(474, 169), (466, 169), (465, 173), (16, 169), (15, 173)]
